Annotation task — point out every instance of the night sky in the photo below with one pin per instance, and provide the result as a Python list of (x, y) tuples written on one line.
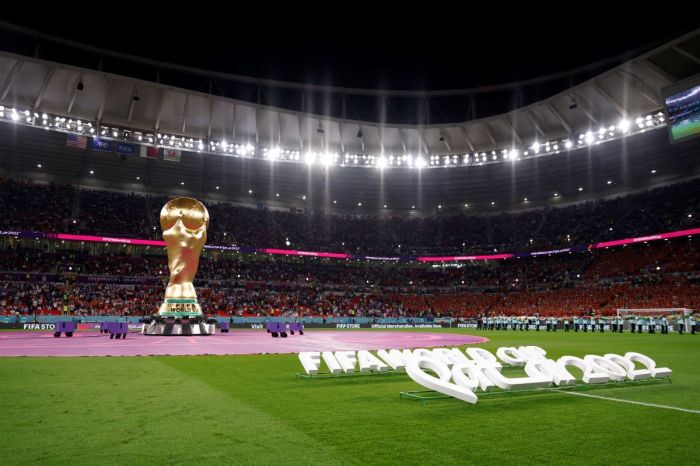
[(359, 46)]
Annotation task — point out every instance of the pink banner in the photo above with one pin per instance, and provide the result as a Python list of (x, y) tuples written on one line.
[(487, 257), (334, 255), (292, 252), (107, 239), (641, 239)]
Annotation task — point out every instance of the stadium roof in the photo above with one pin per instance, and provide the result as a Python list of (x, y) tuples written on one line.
[(627, 90), (103, 98)]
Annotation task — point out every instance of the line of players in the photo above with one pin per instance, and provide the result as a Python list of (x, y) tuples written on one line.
[(584, 324)]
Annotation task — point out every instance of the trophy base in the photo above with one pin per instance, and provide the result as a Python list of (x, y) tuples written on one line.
[(180, 307), (170, 326)]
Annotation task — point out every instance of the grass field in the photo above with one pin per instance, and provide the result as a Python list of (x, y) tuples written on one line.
[(251, 409), (683, 131)]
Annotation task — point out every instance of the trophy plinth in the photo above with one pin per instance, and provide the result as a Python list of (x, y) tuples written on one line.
[(180, 307), (184, 222)]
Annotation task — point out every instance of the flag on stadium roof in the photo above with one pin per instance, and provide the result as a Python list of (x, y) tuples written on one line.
[(171, 155), (77, 141), (149, 151)]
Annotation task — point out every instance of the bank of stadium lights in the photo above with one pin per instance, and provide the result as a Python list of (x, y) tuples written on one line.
[(624, 127), (274, 153)]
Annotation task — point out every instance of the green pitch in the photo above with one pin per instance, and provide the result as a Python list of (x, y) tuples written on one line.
[(252, 410), (680, 132)]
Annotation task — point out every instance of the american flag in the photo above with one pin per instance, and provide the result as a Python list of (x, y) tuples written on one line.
[(73, 140)]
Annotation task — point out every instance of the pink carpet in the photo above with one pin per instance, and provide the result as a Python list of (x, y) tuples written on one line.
[(236, 342)]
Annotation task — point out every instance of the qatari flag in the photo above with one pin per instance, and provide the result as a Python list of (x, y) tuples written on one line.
[(149, 151)]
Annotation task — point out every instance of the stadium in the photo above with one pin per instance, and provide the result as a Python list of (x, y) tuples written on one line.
[(204, 263)]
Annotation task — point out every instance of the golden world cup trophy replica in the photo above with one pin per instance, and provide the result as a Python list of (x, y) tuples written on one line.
[(184, 222)]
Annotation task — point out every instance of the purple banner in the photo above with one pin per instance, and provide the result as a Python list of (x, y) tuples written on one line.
[(29, 277), (116, 280)]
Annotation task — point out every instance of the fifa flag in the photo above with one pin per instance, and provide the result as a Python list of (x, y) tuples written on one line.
[(124, 148), (149, 151), (74, 140), (171, 154)]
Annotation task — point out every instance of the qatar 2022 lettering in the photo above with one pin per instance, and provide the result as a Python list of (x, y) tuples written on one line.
[(462, 375)]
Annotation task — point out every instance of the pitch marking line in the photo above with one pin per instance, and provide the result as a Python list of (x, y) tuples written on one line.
[(652, 405)]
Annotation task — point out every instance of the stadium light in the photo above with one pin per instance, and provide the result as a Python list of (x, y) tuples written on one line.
[(327, 159), (273, 153)]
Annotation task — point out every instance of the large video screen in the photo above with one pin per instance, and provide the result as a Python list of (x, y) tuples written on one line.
[(683, 110)]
